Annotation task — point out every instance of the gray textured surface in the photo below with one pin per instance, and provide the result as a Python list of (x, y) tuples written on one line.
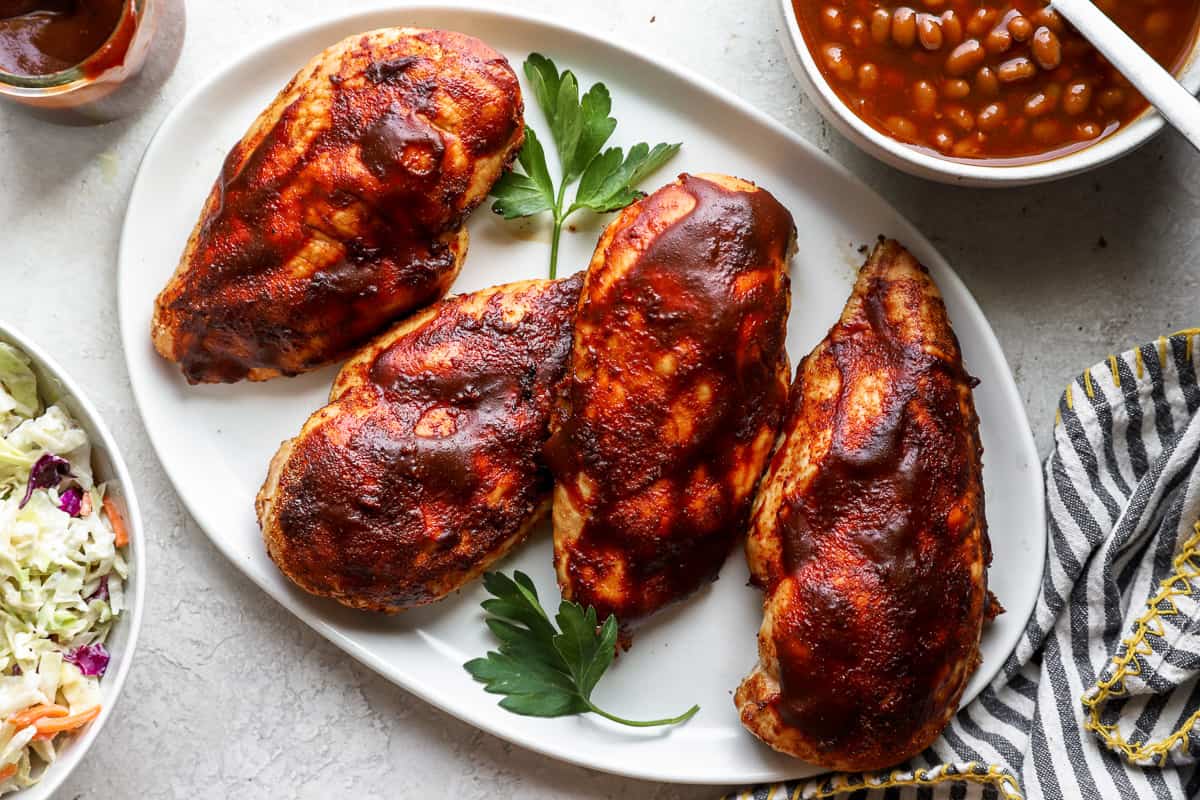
[(230, 696)]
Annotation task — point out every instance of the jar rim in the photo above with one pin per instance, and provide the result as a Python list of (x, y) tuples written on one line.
[(71, 76)]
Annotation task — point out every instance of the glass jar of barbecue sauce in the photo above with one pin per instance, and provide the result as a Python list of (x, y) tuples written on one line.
[(87, 61)]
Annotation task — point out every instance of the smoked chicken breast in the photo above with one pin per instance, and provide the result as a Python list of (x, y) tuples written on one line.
[(342, 208), (426, 466), (678, 384), (868, 535)]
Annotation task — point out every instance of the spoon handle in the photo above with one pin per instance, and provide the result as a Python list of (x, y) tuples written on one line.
[(1156, 84)]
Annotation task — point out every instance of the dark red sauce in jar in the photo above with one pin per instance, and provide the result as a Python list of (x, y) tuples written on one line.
[(1007, 81), (41, 37), (86, 61)]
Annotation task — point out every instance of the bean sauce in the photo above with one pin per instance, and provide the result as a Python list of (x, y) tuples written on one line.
[(1002, 80)]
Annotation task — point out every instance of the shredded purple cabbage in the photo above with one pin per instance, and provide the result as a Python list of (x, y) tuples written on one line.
[(49, 470), (101, 592), (71, 501), (92, 659)]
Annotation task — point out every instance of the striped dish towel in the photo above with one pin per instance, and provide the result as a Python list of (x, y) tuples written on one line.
[(1101, 699)]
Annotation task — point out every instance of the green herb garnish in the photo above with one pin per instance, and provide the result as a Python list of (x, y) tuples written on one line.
[(545, 671), (580, 129)]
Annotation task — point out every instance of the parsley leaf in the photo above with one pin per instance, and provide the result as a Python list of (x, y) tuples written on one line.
[(522, 195), (544, 671), (580, 127), (607, 183)]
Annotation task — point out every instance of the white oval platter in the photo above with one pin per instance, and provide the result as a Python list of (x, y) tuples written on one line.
[(215, 441)]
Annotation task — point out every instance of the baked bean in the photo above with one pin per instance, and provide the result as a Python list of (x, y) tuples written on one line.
[(1158, 23), (1077, 98), (969, 147), (943, 140), (838, 62), (929, 31), (857, 32), (1048, 17), (1038, 104), (981, 21), (924, 97), (956, 88), (1046, 131), (1016, 69), (1044, 101), (1046, 48), (964, 58), (998, 41), (990, 117), (831, 19), (960, 117), (904, 26), (986, 82), (1020, 27), (1111, 99), (902, 128), (952, 30), (868, 76), (1087, 130), (881, 25)]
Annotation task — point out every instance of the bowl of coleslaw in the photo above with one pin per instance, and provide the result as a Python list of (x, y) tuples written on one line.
[(70, 571)]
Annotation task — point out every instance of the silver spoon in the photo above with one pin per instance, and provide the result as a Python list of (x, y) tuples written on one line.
[(1157, 85)]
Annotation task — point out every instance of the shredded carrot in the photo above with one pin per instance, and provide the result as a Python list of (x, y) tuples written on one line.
[(47, 728), (118, 522), (8, 772), (23, 719)]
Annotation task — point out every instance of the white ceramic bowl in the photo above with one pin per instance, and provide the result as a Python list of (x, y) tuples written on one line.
[(925, 165), (55, 387)]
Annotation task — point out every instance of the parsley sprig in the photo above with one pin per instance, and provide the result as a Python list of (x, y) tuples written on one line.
[(580, 128), (541, 670)]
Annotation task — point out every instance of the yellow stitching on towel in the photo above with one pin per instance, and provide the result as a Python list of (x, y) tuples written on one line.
[(1112, 364), (1070, 399), (1187, 333), (1150, 623), (1087, 384), (1001, 779), (796, 794), (1137, 357)]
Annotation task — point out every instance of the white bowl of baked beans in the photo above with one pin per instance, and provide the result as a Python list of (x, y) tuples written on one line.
[(982, 92)]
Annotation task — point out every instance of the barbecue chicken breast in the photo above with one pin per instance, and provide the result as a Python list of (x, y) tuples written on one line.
[(868, 535), (426, 466), (678, 384), (342, 208)]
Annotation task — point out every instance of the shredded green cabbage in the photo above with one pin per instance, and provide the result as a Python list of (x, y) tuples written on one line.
[(54, 569)]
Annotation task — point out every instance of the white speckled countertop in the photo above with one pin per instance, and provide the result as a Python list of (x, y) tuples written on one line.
[(230, 697)]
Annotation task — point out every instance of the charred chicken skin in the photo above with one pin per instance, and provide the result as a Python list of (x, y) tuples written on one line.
[(426, 467), (342, 208), (679, 380), (868, 535)]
